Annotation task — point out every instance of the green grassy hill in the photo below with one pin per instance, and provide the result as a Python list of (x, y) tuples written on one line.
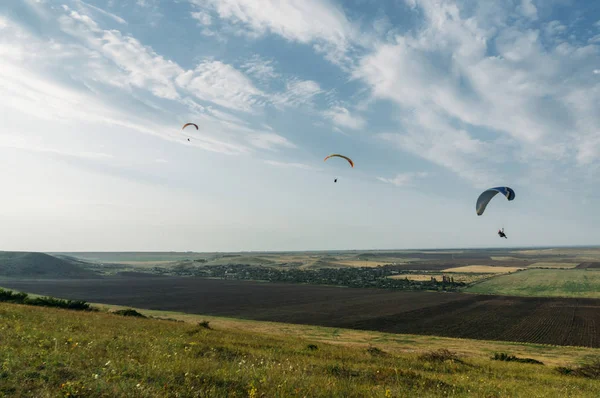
[(40, 265), (53, 352), (543, 283)]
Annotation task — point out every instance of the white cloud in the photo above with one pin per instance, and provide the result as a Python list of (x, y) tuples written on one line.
[(404, 179), (145, 69), (222, 84), (260, 68), (304, 21), (528, 9), (555, 28), (597, 71), (534, 98), (342, 117), (109, 58), (289, 165), (203, 17), (37, 145), (269, 141), (316, 22), (298, 93), (103, 12)]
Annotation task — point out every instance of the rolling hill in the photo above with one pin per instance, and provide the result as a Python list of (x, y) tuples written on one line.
[(40, 265)]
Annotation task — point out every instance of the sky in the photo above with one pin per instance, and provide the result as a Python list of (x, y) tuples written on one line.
[(434, 100)]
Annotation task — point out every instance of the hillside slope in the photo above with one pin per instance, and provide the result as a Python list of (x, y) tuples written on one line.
[(40, 265), (53, 352)]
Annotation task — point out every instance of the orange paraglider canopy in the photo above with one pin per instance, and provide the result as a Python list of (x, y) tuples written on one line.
[(340, 156)]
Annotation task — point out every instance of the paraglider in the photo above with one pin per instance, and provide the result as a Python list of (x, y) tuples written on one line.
[(190, 124), (337, 155), (486, 196)]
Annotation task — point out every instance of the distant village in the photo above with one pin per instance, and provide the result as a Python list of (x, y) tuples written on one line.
[(363, 277)]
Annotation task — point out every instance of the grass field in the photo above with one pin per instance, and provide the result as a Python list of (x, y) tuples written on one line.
[(543, 283), (552, 265), (483, 269), (50, 352)]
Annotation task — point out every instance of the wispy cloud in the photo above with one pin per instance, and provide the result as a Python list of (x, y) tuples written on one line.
[(269, 141), (36, 145), (290, 165), (104, 12), (298, 93), (404, 179), (260, 68), (446, 74), (222, 84), (109, 58), (342, 117), (304, 21)]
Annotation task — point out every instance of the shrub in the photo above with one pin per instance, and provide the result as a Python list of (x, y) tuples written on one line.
[(312, 347), (23, 298), (440, 355), (511, 358), (204, 324), (7, 295), (589, 371), (376, 352), (129, 312)]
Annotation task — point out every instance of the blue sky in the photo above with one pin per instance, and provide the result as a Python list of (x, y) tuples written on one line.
[(435, 101)]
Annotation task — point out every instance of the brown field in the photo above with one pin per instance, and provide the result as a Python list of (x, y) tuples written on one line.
[(557, 321), (592, 265), (483, 269)]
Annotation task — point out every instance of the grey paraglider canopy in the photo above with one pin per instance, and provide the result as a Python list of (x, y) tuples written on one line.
[(488, 195)]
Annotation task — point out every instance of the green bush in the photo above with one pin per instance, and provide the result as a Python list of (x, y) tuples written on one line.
[(129, 312), (511, 358)]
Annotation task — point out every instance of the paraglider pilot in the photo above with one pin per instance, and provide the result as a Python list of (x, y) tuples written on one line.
[(501, 233)]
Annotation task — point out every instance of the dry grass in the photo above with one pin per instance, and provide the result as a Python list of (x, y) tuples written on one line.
[(394, 343)]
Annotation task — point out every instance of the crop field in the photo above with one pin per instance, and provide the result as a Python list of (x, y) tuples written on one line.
[(553, 265), (559, 321), (544, 283), (483, 269), (428, 260), (467, 277)]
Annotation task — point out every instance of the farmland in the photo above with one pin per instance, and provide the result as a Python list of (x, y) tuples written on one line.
[(559, 321), (483, 269), (466, 277), (544, 283), (52, 352)]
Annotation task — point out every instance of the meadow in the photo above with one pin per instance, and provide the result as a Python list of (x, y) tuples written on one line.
[(543, 283), (49, 352)]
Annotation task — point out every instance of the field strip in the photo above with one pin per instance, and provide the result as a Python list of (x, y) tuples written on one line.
[(483, 269), (390, 342)]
